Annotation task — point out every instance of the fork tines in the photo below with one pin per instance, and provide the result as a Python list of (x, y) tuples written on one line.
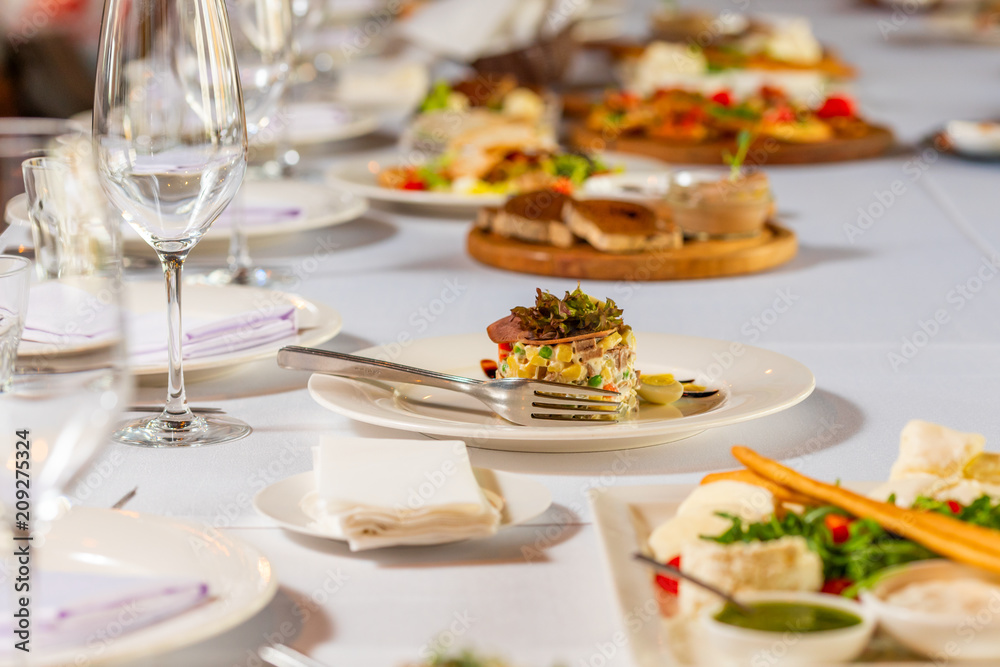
[(564, 402)]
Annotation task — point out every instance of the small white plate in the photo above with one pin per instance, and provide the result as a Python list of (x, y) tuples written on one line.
[(625, 516), (109, 542), (317, 322), (524, 499), (360, 176), (753, 383), (272, 208), (979, 139)]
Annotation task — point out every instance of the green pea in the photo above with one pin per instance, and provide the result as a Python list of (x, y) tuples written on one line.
[(595, 381), (545, 352)]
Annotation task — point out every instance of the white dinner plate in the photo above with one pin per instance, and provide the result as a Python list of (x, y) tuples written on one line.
[(752, 384), (272, 208), (360, 176), (317, 322), (109, 543), (625, 517), (524, 499), (319, 122)]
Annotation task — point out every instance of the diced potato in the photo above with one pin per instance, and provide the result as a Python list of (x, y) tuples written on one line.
[(610, 341), (526, 371), (511, 361), (564, 352), (538, 360), (630, 338), (574, 372)]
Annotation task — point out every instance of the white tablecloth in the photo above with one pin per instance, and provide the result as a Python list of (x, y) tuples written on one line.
[(857, 299)]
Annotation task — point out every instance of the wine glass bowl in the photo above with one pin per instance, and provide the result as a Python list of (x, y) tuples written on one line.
[(171, 144)]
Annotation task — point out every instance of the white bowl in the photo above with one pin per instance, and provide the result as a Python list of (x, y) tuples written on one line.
[(944, 637), (723, 645), (974, 138)]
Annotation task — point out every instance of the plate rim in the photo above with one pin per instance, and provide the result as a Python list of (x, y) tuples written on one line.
[(337, 176), (687, 425), (16, 213), (192, 634), (318, 335), (300, 478)]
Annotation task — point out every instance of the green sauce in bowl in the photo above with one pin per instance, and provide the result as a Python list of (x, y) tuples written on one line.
[(787, 616)]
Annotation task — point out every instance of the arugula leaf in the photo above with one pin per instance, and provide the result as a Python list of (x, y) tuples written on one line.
[(574, 314), (868, 548)]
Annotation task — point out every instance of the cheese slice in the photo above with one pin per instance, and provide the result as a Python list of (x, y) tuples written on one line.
[(926, 448)]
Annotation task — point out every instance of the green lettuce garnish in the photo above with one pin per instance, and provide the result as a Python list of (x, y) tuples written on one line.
[(437, 98), (574, 314)]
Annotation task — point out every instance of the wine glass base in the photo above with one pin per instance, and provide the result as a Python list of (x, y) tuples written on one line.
[(196, 432), (253, 277)]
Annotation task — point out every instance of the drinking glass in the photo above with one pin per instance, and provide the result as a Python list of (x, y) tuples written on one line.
[(170, 139), (15, 273), (68, 216), (69, 382), (262, 38)]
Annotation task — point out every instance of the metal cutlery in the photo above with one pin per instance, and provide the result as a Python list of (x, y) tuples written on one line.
[(159, 408), (680, 574), (280, 655), (125, 499), (522, 401)]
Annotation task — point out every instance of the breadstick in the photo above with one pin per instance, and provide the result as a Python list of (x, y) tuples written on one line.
[(943, 535), (781, 493)]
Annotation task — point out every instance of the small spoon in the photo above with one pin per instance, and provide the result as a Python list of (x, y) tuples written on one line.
[(677, 572)]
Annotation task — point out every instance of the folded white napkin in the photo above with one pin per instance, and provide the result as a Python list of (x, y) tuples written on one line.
[(72, 608), (377, 493), (73, 317)]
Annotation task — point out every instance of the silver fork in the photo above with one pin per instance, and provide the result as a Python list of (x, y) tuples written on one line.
[(522, 401)]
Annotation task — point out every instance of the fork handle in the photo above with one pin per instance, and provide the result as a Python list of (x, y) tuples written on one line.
[(365, 368)]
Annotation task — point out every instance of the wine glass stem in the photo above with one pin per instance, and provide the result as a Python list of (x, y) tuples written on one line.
[(239, 246), (176, 408)]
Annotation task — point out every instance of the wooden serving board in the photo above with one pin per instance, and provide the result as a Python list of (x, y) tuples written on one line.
[(876, 142), (695, 259)]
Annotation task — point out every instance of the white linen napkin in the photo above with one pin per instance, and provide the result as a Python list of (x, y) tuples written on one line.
[(377, 493), (73, 317), (72, 608)]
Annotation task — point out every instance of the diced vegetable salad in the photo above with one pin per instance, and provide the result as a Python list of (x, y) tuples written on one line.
[(606, 362)]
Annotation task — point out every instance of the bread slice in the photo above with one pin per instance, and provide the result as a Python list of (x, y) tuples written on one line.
[(619, 226), (535, 217)]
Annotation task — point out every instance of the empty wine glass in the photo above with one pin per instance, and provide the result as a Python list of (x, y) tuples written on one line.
[(262, 38), (170, 138)]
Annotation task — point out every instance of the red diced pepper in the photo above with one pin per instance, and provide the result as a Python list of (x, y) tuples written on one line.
[(505, 350), (562, 185), (669, 584), (836, 107), (723, 97), (414, 184), (836, 586), (955, 506), (838, 524), (782, 114)]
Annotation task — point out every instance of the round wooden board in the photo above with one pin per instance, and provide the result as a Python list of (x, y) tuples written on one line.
[(877, 141), (695, 259)]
